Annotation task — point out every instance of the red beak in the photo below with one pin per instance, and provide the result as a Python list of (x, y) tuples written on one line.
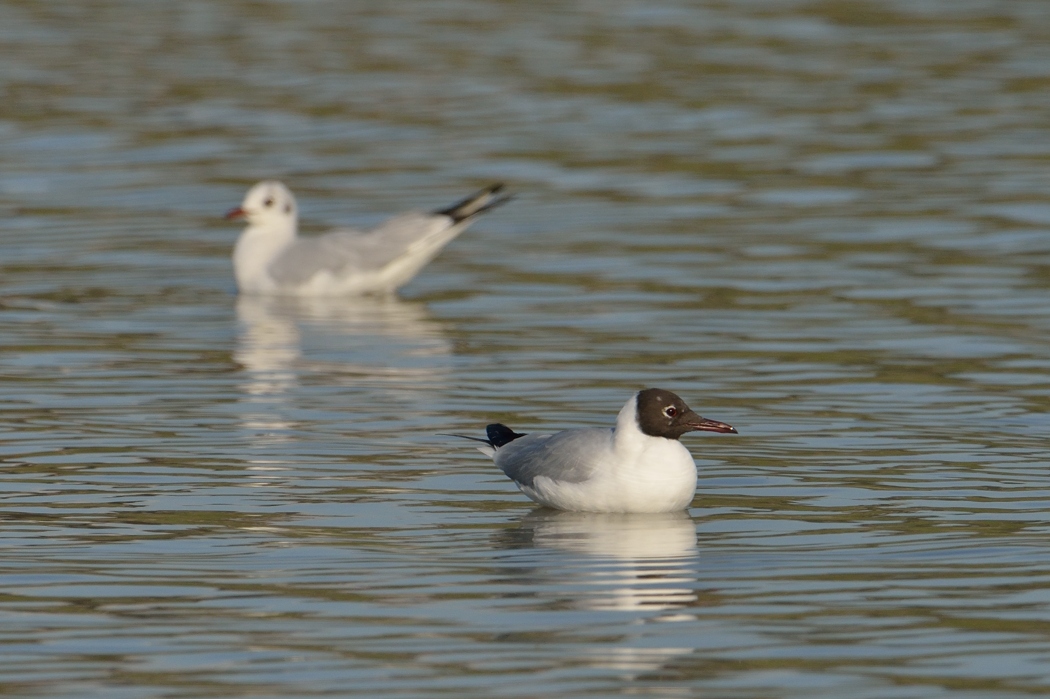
[(705, 425), (235, 214)]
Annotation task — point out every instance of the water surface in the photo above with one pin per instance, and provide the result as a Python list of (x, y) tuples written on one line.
[(824, 223)]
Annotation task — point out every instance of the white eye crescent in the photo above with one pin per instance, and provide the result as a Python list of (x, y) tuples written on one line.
[(670, 411)]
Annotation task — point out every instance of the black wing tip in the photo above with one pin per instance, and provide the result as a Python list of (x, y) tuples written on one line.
[(478, 203), (500, 435)]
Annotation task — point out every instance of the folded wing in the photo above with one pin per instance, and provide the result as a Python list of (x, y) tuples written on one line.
[(408, 241), (386, 256), (571, 456)]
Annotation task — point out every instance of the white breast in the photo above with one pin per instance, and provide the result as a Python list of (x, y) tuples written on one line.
[(255, 251)]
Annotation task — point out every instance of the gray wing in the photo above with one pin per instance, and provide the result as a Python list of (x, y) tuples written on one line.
[(571, 456), (348, 251)]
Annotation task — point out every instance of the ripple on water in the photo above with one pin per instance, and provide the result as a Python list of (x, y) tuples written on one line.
[(823, 223)]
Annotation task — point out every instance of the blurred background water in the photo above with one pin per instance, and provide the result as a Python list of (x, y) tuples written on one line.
[(825, 223)]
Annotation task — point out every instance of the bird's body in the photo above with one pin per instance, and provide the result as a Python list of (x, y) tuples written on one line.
[(637, 466), (270, 257)]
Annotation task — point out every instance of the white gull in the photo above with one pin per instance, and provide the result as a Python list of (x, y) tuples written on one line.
[(270, 257), (637, 466)]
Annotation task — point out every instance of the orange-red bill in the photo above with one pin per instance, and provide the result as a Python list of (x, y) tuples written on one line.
[(234, 214)]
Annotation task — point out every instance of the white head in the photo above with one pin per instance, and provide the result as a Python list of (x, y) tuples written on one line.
[(268, 205), (272, 216)]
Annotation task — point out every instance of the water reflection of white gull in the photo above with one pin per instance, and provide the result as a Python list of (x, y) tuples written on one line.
[(623, 561), (381, 342), (384, 339), (267, 348)]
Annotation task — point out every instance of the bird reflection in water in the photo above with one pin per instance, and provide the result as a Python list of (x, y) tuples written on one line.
[(383, 338), (644, 565), (289, 346), (621, 562)]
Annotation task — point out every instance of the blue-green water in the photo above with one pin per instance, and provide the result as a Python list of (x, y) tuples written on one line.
[(824, 223)]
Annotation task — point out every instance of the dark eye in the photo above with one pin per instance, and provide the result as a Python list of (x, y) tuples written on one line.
[(670, 411), (268, 202)]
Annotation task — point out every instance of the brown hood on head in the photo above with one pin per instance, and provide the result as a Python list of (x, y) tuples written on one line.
[(661, 413)]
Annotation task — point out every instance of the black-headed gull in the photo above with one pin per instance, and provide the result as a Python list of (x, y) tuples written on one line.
[(270, 258), (637, 466)]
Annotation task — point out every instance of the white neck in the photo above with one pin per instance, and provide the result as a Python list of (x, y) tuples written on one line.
[(650, 474), (257, 248), (626, 434)]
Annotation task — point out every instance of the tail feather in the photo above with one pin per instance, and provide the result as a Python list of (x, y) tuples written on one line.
[(475, 204), (463, 436), (498, 435)]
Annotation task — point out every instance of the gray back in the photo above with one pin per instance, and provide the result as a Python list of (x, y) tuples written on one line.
[(347, 251), (571, 456)]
